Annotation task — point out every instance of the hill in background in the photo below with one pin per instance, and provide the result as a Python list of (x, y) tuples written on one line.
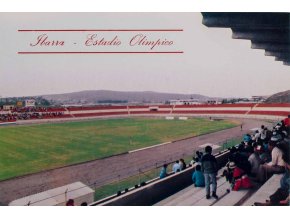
[(106, 96), (281, 97)]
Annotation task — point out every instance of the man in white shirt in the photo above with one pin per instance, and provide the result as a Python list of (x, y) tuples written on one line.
[(276, 166), (176, 167)]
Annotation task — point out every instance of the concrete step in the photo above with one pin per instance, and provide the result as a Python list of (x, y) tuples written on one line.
[(233, 198), (192, 195), (222, 187), (179, 196), (265, 190)]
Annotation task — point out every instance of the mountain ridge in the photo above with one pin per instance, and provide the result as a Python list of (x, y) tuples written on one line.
[(95, 96), (280, 97)]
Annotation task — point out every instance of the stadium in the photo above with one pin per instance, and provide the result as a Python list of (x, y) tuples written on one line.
[(144, 153), (217, 117)]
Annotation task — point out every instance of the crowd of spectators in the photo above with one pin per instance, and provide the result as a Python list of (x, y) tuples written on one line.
[(27, 113), (252, 162), (259, 156)]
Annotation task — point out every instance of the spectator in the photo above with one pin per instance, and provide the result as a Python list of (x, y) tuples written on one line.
[(163, 172), (228, 173), (199, 154), (209, 168), (240, 179), (277, 165), (281, 196), (182, 164), (193, 161), (247, 139), (70, 202), (176, 167), (263, 133), (268, 135), (84, 204), (287, 121), (255, 160), (256, 136), (198, 177), (241, 159), (265, 153)]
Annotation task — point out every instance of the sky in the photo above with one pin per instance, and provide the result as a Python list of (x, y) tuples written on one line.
[(212, 63)]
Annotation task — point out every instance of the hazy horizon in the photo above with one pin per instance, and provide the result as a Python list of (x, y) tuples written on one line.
[(128, 91), (213, 64)]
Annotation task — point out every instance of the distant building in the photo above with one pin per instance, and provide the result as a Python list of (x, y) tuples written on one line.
[(8, 107), (259, 98), (30, 103), (185, 102), (213, 102)]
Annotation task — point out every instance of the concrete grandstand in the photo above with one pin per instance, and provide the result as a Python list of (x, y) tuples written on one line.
[(260, 111)]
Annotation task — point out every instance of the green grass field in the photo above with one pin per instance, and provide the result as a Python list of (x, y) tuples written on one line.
[(33, 148)]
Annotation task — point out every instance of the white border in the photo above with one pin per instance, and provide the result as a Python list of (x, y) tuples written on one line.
[(144, 6)]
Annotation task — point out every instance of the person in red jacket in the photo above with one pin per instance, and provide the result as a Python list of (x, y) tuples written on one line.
[(287, 121), (241, 179)]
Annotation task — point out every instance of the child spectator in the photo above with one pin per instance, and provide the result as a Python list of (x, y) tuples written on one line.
[(209, 168), (198, 177)]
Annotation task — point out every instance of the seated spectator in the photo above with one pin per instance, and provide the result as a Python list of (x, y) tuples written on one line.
[(199, 154), (281, 196), (195, 160), (163, 172), (241, 160), (70, 202), (277, 165), (263, 132), (255, 160), (265, 153), (84, 204), (182, 164), (228, 173), (286, 121), (247, 139), (240, 179), (176, 167), (198, 177), (192, 162), (256, 136)]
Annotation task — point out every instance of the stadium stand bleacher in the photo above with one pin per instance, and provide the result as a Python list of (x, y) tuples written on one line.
[(246, 109)]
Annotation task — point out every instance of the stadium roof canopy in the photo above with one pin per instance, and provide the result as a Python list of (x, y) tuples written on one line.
[(267, 31)]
